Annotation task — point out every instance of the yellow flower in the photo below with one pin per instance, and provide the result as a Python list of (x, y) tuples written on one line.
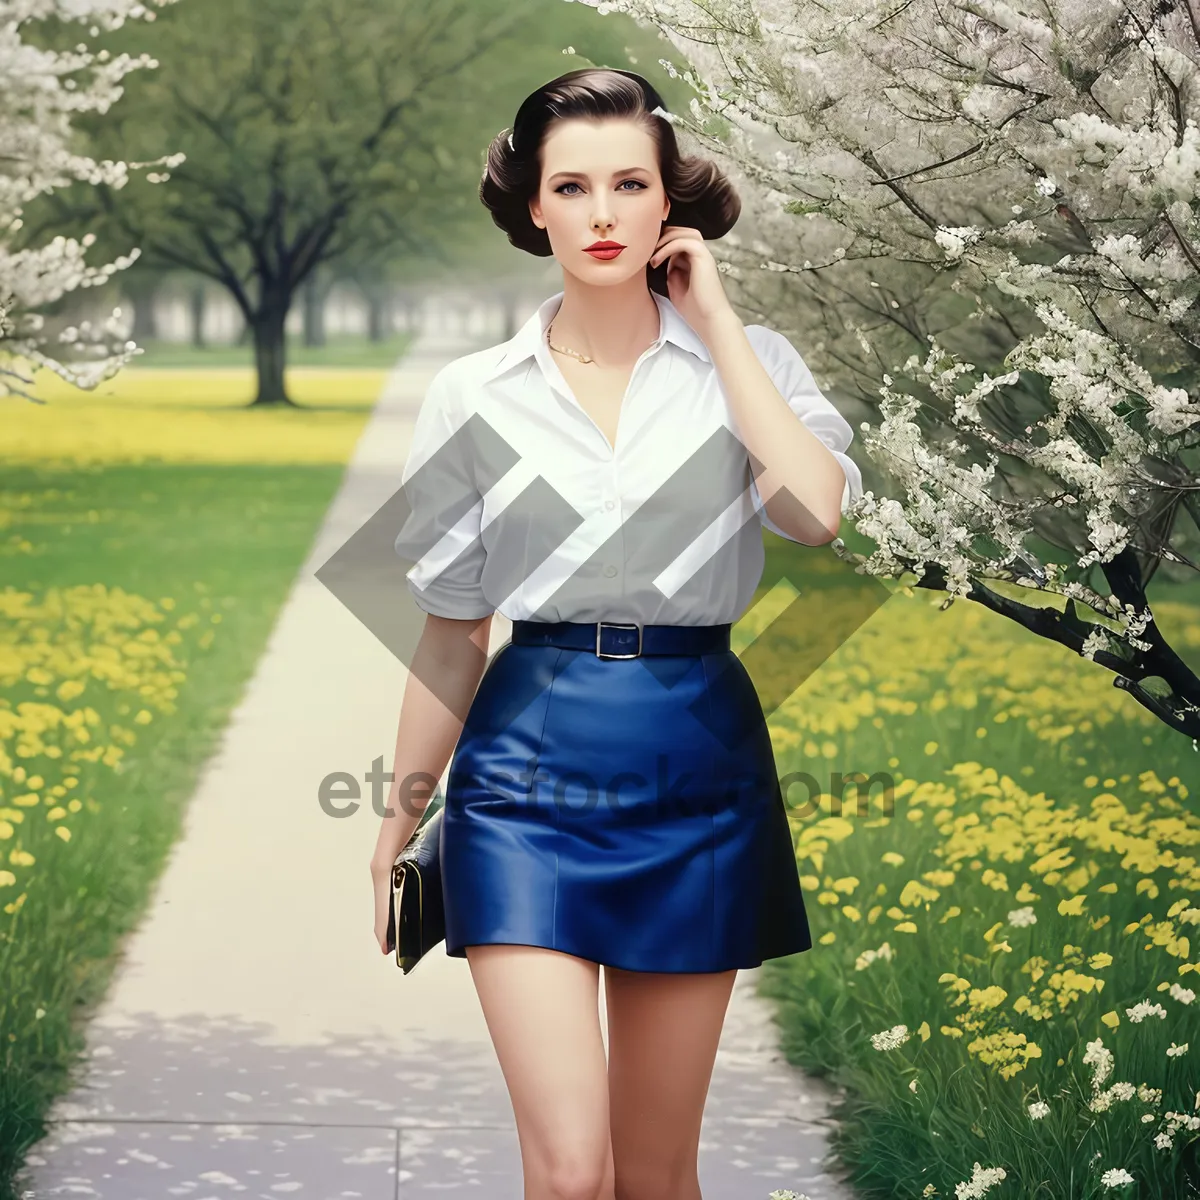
[(1098, 961), (906, 927), (1008, 1051), (914, 893), (851, 913), (826, 938), (982, 999), (1072, 907), (1111, 1019), (1055, 860), (892, 858)]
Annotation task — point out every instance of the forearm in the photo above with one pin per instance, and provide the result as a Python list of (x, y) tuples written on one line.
[(801, 483), (454, 654)]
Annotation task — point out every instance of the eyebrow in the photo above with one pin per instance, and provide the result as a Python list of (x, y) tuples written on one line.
[(584, 175)]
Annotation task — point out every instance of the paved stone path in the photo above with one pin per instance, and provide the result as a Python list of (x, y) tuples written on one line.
[(255, 1043)]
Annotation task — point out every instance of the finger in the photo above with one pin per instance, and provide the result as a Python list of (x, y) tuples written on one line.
[(679, 231), (672, 247)]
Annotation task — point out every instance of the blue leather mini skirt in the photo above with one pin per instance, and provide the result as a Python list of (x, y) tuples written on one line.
[(627, 811)]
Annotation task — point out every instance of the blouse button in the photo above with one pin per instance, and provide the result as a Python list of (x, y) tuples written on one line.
[(610, 570), (610, 505)]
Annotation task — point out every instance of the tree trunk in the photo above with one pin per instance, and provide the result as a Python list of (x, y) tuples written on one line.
[(379, 314), (314, 312), (142, 291), (510, 314), (199, 298), (270, 351)]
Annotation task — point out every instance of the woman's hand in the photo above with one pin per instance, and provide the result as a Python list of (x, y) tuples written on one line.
[(381, 881), (693, 281)]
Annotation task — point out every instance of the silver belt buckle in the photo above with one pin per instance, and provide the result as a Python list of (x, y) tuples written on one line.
[(618, 625)]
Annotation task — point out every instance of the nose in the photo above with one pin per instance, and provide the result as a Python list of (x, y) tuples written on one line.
[(602, 223)]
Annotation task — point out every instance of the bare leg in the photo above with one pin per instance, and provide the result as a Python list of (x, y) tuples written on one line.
[(542, 1011), (663, 1031)]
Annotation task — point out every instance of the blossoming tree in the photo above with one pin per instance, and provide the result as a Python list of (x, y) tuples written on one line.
[(990, 210), (41, 87)]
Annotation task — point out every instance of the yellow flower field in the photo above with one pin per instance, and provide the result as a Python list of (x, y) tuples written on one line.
[(1007, 926), (165, 415)]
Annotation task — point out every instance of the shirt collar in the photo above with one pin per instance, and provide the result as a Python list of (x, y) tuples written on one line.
[(526, 342)]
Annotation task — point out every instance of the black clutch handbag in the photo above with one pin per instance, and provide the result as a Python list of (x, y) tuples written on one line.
[(416, 918)]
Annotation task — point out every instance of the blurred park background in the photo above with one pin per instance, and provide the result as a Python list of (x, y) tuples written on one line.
[(1017, 911)]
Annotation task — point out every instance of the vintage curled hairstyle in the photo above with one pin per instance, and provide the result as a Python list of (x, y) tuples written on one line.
[(701, 196)]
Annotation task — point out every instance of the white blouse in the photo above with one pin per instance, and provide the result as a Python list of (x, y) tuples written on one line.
[(520, 506)]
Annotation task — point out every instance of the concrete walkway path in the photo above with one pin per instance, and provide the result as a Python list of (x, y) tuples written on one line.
[(256, 1044)]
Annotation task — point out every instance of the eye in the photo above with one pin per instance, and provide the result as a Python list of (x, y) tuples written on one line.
[(638, 186)]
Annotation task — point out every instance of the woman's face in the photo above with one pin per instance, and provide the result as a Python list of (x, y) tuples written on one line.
[(600, 182)]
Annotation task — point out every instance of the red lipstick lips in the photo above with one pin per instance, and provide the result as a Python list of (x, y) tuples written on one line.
[(604, 249)]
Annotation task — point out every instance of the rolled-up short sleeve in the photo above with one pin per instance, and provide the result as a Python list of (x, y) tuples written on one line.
[(796, 385), (441, 531)]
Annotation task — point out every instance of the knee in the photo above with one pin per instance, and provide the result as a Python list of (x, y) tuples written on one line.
[(656, 1181), (575, 1177)]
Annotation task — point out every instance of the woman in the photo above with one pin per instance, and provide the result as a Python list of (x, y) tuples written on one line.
[(612, 800)]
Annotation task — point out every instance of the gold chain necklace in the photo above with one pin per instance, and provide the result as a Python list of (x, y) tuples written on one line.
[(583, 358)]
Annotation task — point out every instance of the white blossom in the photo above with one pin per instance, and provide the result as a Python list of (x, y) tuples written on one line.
[(867, 957), (951, 176), (1143, 1009), (890, 1039), (1100, 1060), (40, 91), (1117, 1177), (982, 1180), (1038, 1109)]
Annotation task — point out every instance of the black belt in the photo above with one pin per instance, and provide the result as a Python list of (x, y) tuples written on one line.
[(617, 639)]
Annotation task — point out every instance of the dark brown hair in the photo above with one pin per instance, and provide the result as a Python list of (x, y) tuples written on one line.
[(701, 196)]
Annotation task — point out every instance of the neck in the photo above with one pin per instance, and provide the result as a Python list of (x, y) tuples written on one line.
[(612, 324)]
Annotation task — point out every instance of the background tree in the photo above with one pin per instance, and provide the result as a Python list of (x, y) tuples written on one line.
[(996, 201), (41, 91), (321, 131)]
